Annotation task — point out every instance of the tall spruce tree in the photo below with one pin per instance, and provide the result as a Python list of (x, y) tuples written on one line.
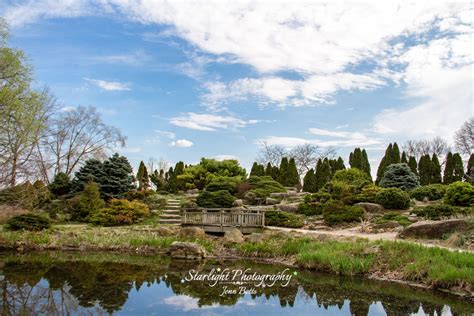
[(117, 177), (323, 173), (392, 156), (413, 165), (340, 164), (404, 158), (268, 170), (448, 175), (435, 169), (257, 170), (458, 167), (283, 171), (293, 177), (92, 170), (142, 177), (470, 170), (309, 182), (424, 169), (395, 155)]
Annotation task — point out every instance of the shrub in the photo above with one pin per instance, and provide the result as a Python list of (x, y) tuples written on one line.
[(368, 193), (432, 192), (438, 211), (215, 199), (61, 185), (394, 216), (393, 198), (352, 176), (261, 187), (28, 221), (283, 219), (139, 195), (26, 195), (399, 175), (224, 183), (87, 202), (336, 212), (460, 194), (119, 212), (314, 203)]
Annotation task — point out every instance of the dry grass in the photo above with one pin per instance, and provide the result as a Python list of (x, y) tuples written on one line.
[(7, 212)]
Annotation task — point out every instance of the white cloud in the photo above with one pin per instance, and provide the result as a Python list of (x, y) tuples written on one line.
[(225, 157), (109, 85), (183, 143), (166, 134), (129, 150), (209, 122), (186, 303), (136, 58)]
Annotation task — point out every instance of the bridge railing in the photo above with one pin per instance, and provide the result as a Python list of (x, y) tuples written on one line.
[(223, 217)]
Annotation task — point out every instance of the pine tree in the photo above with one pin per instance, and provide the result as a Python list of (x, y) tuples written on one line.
[(157, 179), (413, 165), (61, 185), (275, 172), (257, 170), (384, 163), (92, 170), (458, 167), (89, 201), (448, 175), (366, 164), (283, 172), (142, 177), (470, 170), (435, 169), (323, 173), (309, 182), (340, 164), (268, 170), (424, 169), (404, 158), (293, 177), (117, 178), (395, 155)]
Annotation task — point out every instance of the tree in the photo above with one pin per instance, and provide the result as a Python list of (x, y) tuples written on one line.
[(257, 170), (464, 138), (424, 169), (293, 178), (399, 176), (117, 178), (470, 170), (404, 158), (435, 170), (458, 174), (413, 165), (89, 202), (91, 171), (448, 175), (322, 173), (283, 173), (359, 159), (174, 182), (392, 155), (142, 177), (309, 182), (61, 185), (75, 136), (418, 148)]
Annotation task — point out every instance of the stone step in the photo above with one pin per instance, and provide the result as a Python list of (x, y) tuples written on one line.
[(171, 211), (164, 216), (173, 201), (173, 205), (170, 221)]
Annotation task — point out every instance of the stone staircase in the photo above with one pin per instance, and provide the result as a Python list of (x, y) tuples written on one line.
[(171, 214)]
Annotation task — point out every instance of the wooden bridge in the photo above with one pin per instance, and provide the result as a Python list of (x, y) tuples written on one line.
[(221, 220)]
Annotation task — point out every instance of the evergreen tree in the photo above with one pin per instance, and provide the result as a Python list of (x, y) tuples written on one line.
[(470, 170), (276, 172), (404, 158), (157, 179), (413, 165), (424, 169), (89, 201), (458, 167), (399, 176), (309, 182), (117, 178), (340, 164), (323, 173), (435, 169), (293, 178), (392, 156), (92, 170), (395, 155), (268, 170), (448, 175), (257, 170), (283, 172), (61, 185), (142, 177), (366, 164)]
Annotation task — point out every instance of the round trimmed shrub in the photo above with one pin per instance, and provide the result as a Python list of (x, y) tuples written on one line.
[(283, 219), (216, 199), (393, 198), (28, 221), (335, 212), (119, 212), (460, 194), (431, 192), (399, 175), (368, 193), (224, 183)]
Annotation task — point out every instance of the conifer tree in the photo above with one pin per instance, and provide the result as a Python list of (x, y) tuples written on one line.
[(61, 185), (413, 165), (458, 167), (293, 178), (142, 177), (268, 170), (283, 171), (435, 169), (470, 170), (366, 164), (395, 155), (340, 164), (323, 173), (255, 171), (448, 175), (404, 158), (424, 170), (276, 172), (117, 178), (92, 170), (384, 163), (309, 182)]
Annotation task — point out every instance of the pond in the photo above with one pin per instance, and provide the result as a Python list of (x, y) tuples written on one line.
[(72, 283)]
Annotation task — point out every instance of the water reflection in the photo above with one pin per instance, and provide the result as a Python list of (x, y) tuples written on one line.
[(73, 283)]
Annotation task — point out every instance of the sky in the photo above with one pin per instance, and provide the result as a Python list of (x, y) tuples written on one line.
[(191, 79)]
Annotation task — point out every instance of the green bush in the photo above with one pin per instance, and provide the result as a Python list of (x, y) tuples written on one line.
[(393, 198), (460, 194), (399, 175), (352, 176), (261, 187), (438, 211), (29, 221), (314, 203), (119, 212), (283, 219), (367, 194), (215, 199), (431, 192), (28, 196), (61, 185), (394, 216), (88, 201), (224, 183), (336, 212)]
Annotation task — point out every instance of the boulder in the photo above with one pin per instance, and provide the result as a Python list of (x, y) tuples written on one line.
[(166, 230), (192, 233), (278, 195), (254, 237), (186, 250), (271, 201), (192, 191), (238, 203), (389, 224), (233, 236), (434, 229), (371, 207), (290, 207)]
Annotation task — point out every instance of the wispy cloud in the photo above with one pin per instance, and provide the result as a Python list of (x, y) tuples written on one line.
[(225, 157), (136, 58), (109, 85), (209, 122), (183, 143)]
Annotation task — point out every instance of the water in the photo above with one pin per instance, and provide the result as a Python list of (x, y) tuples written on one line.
[(63, 283)]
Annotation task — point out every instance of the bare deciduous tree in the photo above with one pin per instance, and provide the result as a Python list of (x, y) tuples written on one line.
[(464, 138), (418, 148)]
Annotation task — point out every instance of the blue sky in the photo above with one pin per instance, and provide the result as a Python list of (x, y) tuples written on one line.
[(184, 80)]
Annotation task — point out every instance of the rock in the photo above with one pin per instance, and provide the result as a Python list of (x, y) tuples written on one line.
[(278, 195), (237, 203), (233, 236), (371, 250), (371, 207), (290, 207), (254, 237), (165, 231), (389, 224), (271, 201), (186, 250), (192, 191), (434, 229), (192, 232)]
